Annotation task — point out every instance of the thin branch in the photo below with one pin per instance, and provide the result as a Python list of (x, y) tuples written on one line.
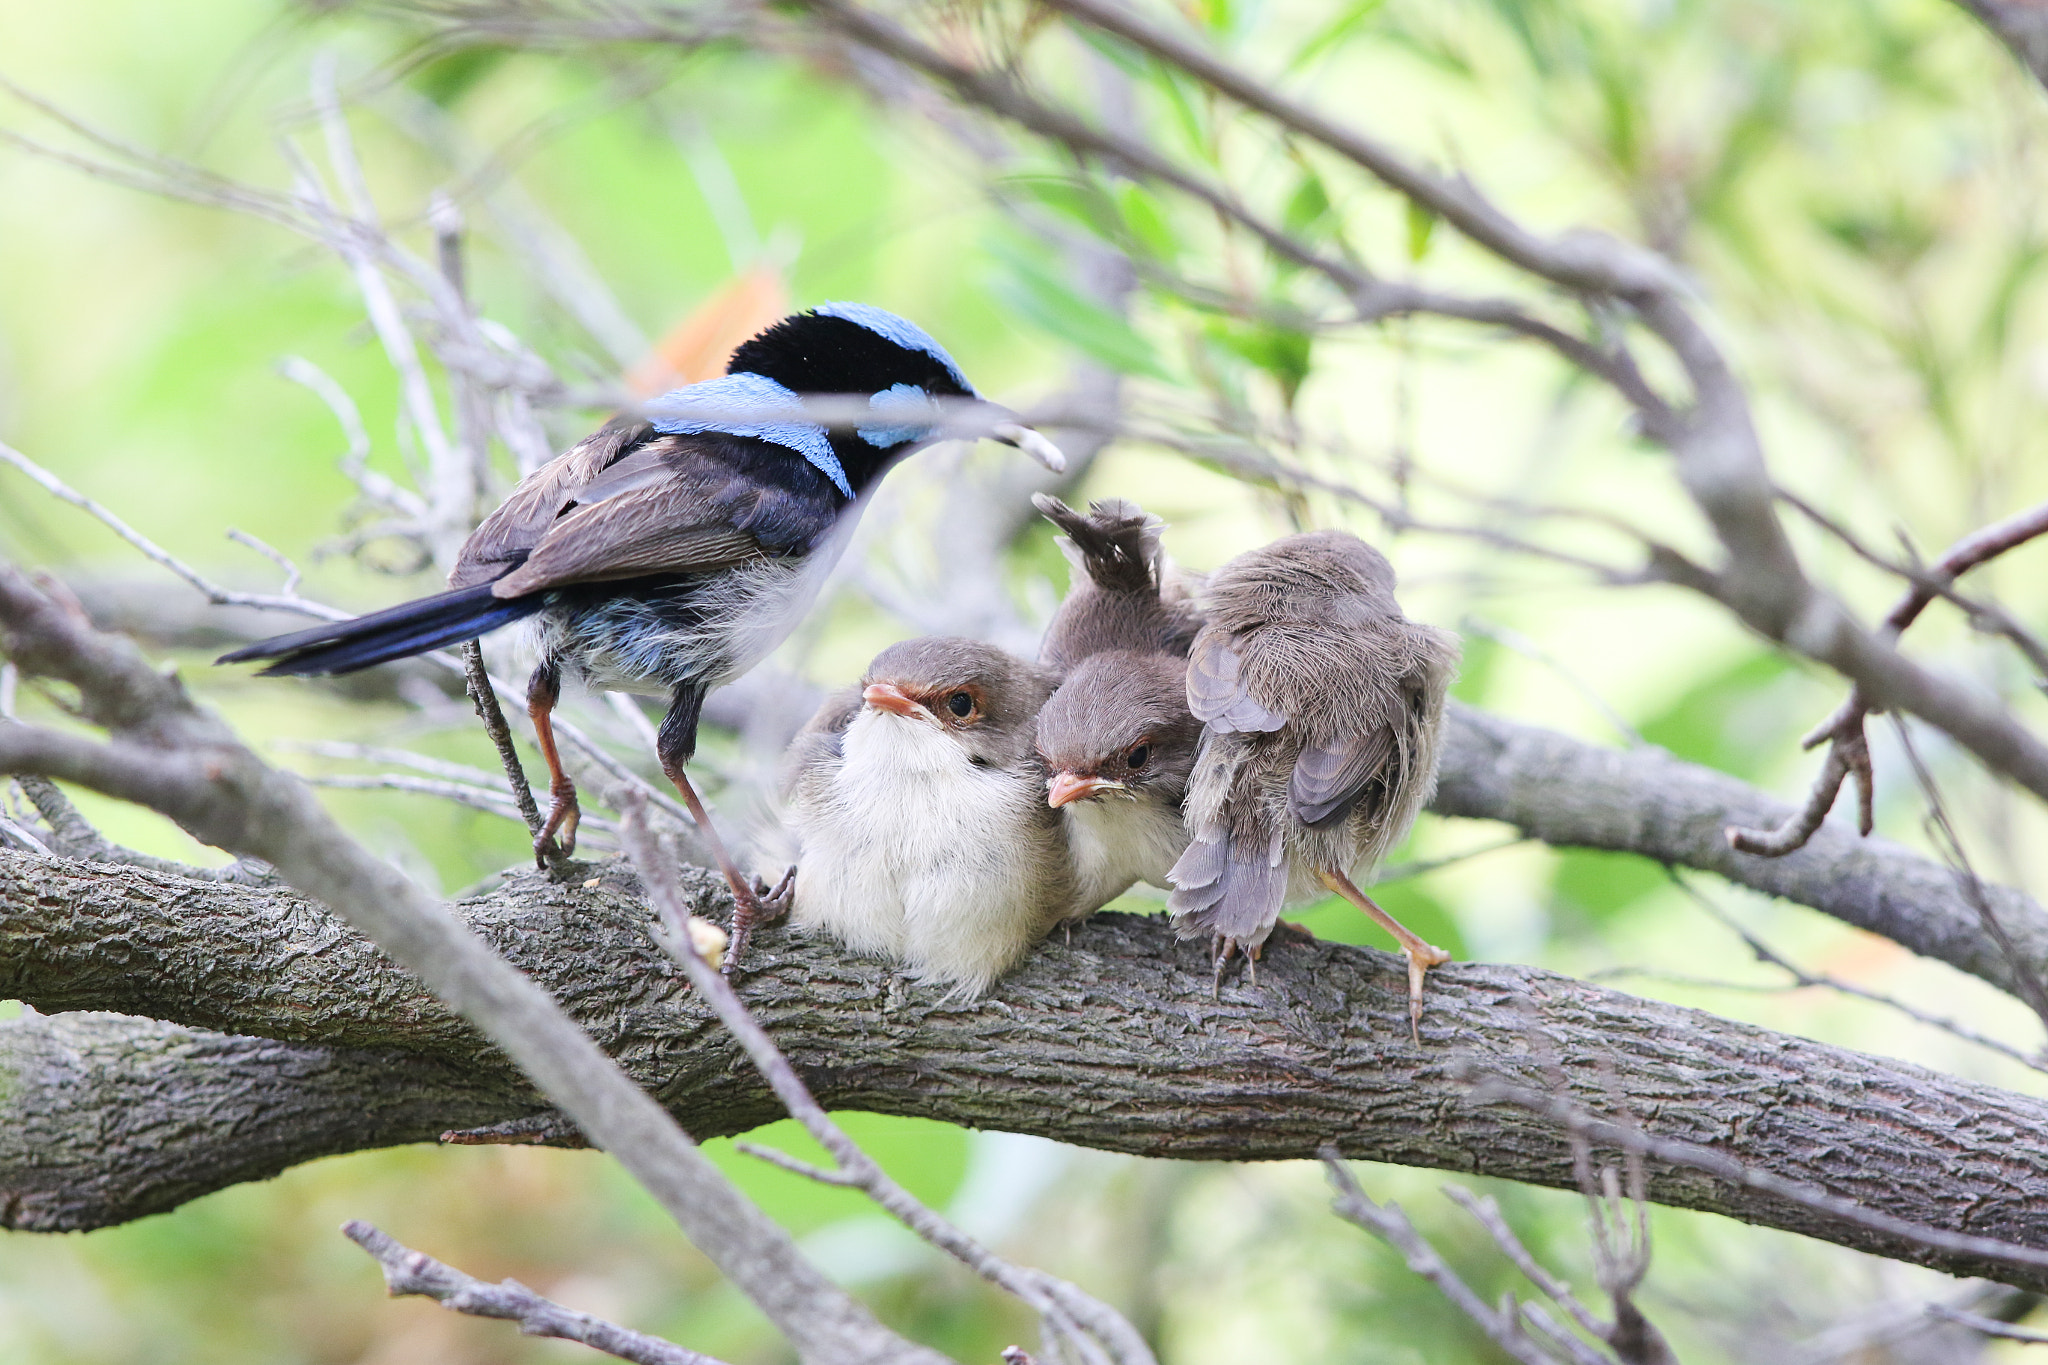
[(219, 596), (1844, 731), (1628, 1138), (1486, 1212), (1990, 1327), (408, 1272), (485, 698), (1802, 978), (1390, 1225), (1971, 885)]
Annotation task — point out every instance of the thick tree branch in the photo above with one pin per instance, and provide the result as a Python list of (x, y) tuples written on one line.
[(168, 754), (1112, 1042), (1570, 793)]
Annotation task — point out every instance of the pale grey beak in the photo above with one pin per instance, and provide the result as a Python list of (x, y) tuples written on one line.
[(1031, 443)]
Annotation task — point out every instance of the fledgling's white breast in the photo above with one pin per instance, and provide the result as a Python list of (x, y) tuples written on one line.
[(911, 851), (1117, 841)]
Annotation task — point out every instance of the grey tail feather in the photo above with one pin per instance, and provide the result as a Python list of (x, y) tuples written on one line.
[(1118, 541), (1226, 888)]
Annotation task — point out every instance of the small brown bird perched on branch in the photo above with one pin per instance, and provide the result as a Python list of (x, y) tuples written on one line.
[(1117, 736), (919, 807), (1324, 710)]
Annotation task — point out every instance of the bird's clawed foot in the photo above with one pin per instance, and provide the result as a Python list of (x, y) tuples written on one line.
[(755, 905), (1421, 957), (557, 838), (1222, 948)]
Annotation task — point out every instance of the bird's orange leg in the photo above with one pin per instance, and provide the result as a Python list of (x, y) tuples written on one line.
[(1421, 956), (751, 904), (557, 838)]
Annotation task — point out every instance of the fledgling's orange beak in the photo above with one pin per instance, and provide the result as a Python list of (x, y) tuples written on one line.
[(1066, 788), (889, 697)]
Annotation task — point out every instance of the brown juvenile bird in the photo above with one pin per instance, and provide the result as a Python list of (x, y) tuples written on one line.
[(1117, 736), (1324, 711), (1125, 596), (919, 810)]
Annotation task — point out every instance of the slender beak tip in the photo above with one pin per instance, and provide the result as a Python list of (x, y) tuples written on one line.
[(1032, 444), (1063, 789), (888, 697)]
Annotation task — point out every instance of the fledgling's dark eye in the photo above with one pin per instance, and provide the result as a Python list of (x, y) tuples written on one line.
[(961, 704), (1138, 757)]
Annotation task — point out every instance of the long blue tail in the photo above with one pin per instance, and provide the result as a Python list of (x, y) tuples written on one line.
[(410, 628)]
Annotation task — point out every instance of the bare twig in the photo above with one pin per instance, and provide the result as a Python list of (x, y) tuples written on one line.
[(1802, 978), (1387, 1222), (1990, 1327), (1629, 1138), (219, 596), (409, 1272), (1848, 747), (485, 698), (1968, 882)]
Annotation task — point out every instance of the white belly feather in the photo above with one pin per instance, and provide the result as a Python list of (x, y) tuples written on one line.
[(908, 850)]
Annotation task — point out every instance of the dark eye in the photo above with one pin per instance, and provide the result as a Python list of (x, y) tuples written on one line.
[(960, 704), (1138, 757)]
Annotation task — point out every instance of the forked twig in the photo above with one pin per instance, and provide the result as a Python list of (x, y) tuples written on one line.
[(1843, 732), (408, 1272)]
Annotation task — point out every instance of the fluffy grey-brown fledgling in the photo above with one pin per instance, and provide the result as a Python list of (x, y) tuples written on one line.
[(1324, 711), (918, 802), (1125, 595), (1117, 736), (1119, 743)]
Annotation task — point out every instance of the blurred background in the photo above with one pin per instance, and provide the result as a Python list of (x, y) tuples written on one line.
[(1854, 189)]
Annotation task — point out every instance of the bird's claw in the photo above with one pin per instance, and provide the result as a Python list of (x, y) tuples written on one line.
[(1421, 957), (775, 902), (760, 904), (556, 841)]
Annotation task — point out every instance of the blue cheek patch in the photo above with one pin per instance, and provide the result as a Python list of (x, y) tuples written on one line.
[(898, 397), (902, 331), (733, 396)]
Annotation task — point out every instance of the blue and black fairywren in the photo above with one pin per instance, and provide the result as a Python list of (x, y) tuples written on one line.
[(670, 552)]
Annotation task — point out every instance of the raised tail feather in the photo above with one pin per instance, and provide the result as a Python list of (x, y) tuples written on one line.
[(410, 628), (1116, 543)]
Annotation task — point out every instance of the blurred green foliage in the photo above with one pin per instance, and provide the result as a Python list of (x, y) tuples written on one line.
[(1855, 189)]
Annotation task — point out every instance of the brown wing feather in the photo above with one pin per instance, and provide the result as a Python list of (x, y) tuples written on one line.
[(646, 530), (519, 524), (1329, 778)]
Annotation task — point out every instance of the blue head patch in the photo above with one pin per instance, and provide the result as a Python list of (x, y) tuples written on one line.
[(737, 394), (902, 331), (908, 400)]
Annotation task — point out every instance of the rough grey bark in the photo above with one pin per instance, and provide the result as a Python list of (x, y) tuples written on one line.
[(1112, 1042), (108, 1114), (1573, 794)]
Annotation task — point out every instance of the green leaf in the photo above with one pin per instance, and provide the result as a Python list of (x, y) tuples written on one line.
[(1333, 33), (1080, 201), (1421, 227), (1278, 351), (1146, 220), (1031, 290), (1307, 214)]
